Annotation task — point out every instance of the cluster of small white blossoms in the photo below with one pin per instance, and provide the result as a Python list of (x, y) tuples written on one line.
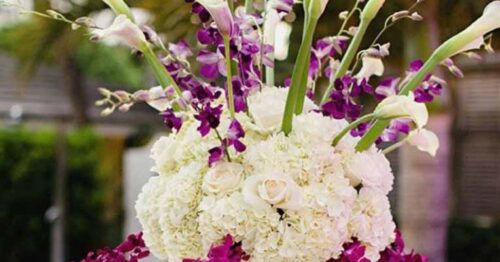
[(286, 198)]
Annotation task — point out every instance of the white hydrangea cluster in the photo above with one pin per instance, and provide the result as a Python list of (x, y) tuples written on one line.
[(286, 198)]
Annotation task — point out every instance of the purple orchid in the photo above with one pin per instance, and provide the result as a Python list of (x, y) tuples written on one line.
[(228, 251), (209, 118), (234, 134), (396, 127), (213, 64), (171, 120), (181, 49), (131, 250), (353, 252), (395, 252), (215, 155)]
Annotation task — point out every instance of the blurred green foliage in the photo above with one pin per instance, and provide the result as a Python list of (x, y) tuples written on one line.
[(468, 242), (27, 168)]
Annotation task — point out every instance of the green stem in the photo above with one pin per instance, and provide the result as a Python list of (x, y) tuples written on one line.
[(394, 147), (230, 3), (305, 60), (269, 76), (162, 75), (248, 6), (380, 125), (351, 126), (348, 57), (298, 71), (344, 24), (229, 81)]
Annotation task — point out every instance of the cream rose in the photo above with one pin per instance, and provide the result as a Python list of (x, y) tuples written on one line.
[(223, 177), (274, 189)]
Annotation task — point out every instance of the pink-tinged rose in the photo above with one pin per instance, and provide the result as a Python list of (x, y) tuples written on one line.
[(275, 189)]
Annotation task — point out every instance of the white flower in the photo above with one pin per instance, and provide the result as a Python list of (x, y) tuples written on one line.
[(372, 169), (401, 106), (424, 140), (282, 40), (123, 31), (162, 152), (371, 66), (223, 177), (267, 107), (274, 189), (219, 10), (272, 20), (157, 98)]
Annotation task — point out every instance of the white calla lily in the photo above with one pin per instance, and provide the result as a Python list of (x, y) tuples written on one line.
[(282, 40), (220, 12), (371, 66), (401, 106), (371, 9), (472, 36), (270, 24), (124, 31), (424, 140)]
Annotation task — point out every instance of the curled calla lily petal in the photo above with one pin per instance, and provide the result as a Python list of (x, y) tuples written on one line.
[(472, 36), (371, 9), (402, 107), (272, 20), (282, 40), (123, 31), (220, 12), (371, 66), (424, 140)]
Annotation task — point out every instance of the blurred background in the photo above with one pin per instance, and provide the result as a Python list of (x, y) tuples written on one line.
[(69, 178)]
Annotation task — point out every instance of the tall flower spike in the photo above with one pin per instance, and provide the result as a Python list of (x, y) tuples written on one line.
[(220, 12), (124, 31)]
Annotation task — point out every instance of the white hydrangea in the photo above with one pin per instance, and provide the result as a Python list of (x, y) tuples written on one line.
[(286, 198)]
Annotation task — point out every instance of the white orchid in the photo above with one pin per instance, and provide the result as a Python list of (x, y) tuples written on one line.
[(424, 140), (401, 106), (371, 66), (124, 31)]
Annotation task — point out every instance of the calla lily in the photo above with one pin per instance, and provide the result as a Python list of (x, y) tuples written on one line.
[(119, 7), (371, 9), (270, 24), (282, 40), (220, 12), (371, 66), (402, 107), (424, 140), (123, 31), (315, 8), (472, 36)]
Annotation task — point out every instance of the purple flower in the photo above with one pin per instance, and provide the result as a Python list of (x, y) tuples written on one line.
[(387, 87), (215, 155), (234, 134), (341, 104), (131, 250), (416, 65), (396, 127), (209, 118), (213, 64), (353, 252), (228, 251), (171, 120), (395, 252), (181, 49)]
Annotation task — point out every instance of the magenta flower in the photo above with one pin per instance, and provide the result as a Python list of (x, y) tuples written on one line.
[(215, 155), (234, 134), (131, 250), (228, 251), (209, 118), (171, 120)]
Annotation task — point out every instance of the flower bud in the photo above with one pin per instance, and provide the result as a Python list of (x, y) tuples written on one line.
[(124, 31), (402, 107), (371, 9), (120, 8), (220, 12)]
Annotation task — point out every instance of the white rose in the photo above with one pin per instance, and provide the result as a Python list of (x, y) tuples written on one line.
[(274, 189), (223, 177), (372, 169), (267, 106)]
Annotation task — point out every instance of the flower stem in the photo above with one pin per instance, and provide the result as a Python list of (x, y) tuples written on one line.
[(348, 57), (230, 3), (351, 126), (300, 70), (344, 24), (379, 126), (229, 77), (394, 147), (162, 75), (269, 76), (248, 6)]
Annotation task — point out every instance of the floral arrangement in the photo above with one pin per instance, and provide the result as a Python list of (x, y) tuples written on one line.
[(256, 172)]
